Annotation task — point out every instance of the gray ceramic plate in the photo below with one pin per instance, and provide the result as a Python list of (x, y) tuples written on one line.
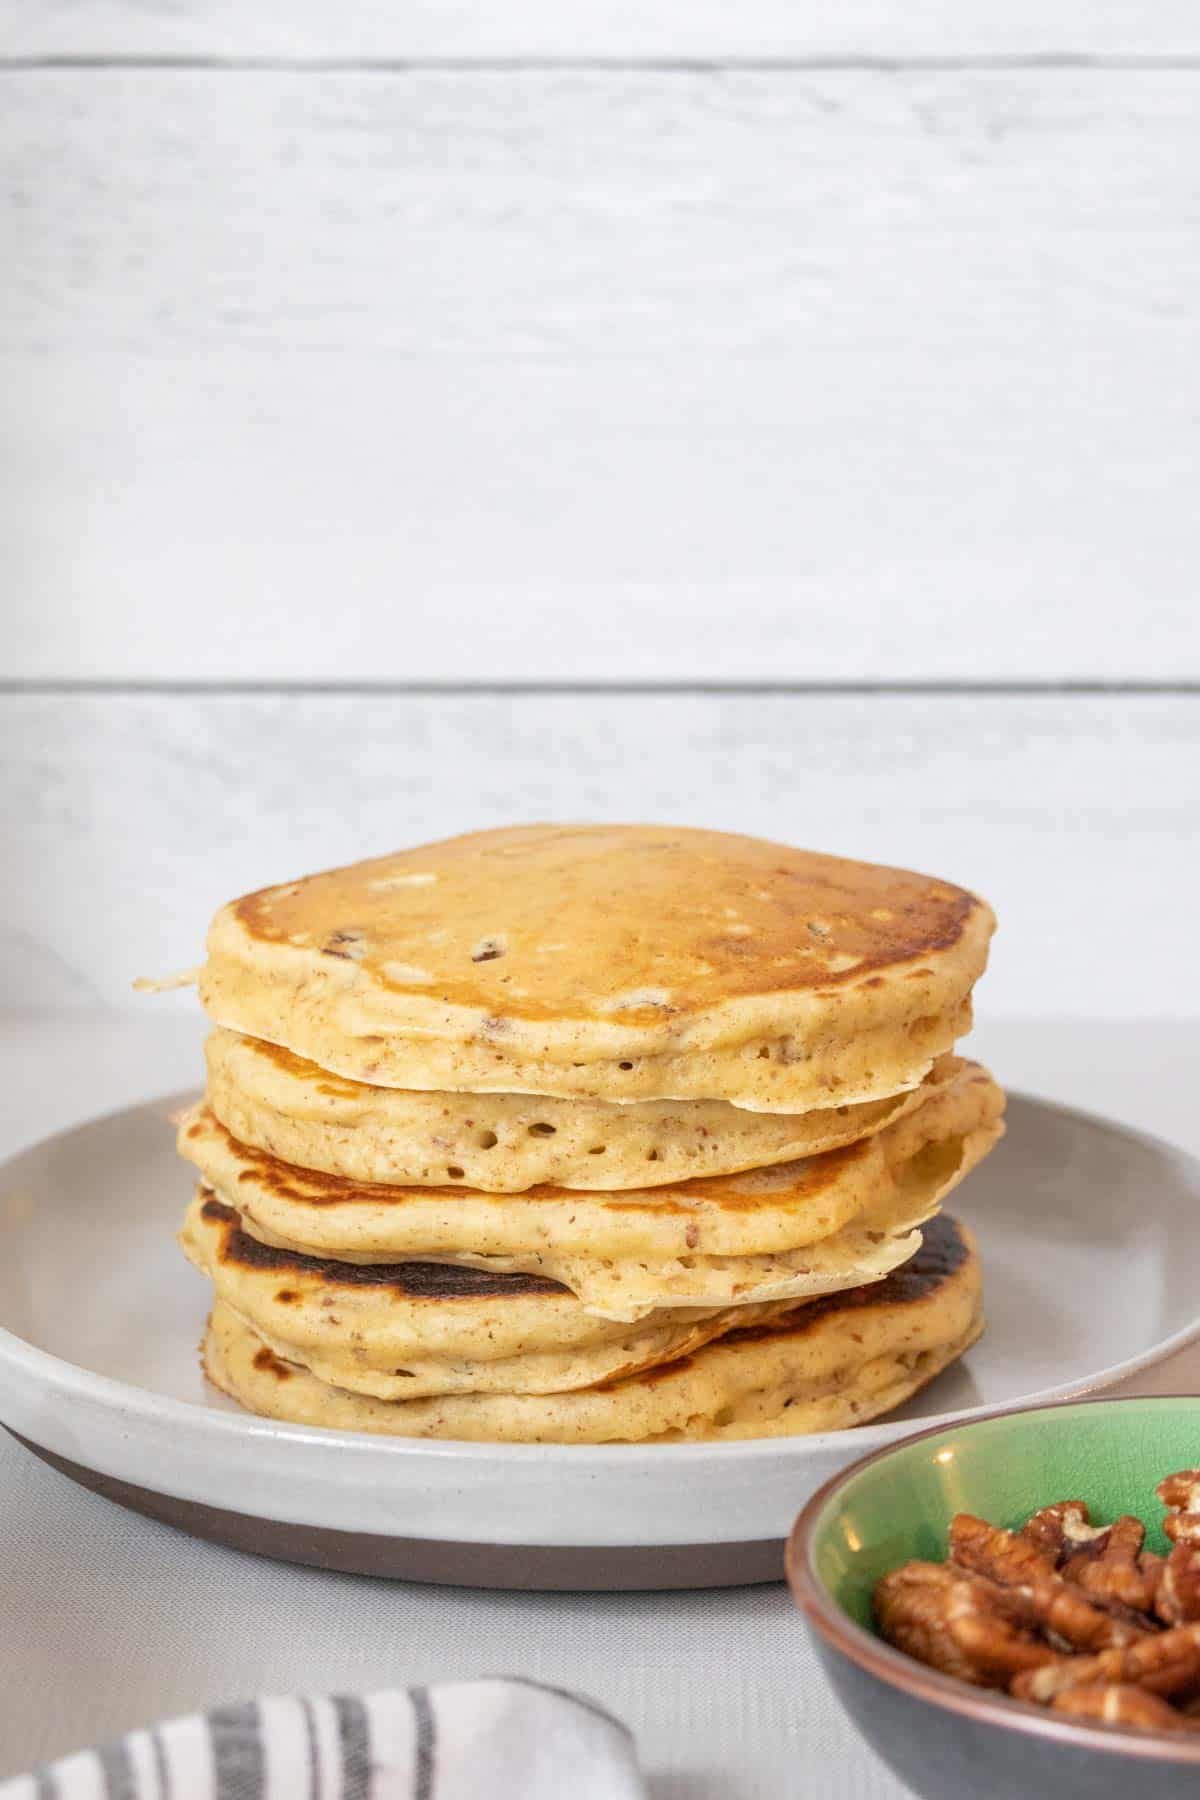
[(1091, 1267)]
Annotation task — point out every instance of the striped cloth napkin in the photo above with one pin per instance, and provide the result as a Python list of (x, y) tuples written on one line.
[(458, 1741)]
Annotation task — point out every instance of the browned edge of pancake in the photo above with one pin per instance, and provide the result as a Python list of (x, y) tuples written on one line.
[(408, 1280), (315, 1188), (944, 1250)]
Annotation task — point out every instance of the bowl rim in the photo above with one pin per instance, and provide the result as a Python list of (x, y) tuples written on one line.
[(981, 1705)]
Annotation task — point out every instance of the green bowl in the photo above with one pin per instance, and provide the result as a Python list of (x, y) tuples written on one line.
[(944, 1738)]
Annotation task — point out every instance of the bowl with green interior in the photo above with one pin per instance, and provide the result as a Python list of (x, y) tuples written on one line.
[(944, 1737)]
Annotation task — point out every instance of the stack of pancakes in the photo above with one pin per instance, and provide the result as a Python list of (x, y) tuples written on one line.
[(591, 1133)]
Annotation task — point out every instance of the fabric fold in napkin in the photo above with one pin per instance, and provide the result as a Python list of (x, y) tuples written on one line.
[(455, 1741)]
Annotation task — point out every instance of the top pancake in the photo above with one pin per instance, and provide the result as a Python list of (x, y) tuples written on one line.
[(618, 962)]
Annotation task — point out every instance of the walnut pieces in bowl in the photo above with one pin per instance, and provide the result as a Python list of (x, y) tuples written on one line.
[(1056, 1651), (1078, 1617)]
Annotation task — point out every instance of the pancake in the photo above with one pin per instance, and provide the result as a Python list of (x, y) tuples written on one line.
[(506, 1143), (611, 962), (788, 1233), (401, 1331), (837, 1362), (273, 1100)]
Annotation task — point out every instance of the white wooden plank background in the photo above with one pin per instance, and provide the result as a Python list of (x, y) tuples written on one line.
[(599, 28), (137, 815), (875, 366), (812, 375)]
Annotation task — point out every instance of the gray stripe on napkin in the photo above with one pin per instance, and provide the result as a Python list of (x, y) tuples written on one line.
[(314, 1754), (44, 1785), (423, 1762), (239, 1761), (120, 1778), (354, 1742)]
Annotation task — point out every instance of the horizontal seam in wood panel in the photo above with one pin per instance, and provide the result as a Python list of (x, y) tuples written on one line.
[(1048, 60), (1022, 689)]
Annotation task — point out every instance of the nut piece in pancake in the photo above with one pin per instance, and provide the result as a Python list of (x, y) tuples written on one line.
[(272, 1100), (839, 1361), (612, 962), (402, 1331), (802, 1229)]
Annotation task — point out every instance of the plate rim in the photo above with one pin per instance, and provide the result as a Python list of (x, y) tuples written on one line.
[(60, 1377)]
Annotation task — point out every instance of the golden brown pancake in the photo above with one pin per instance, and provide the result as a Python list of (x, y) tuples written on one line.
[(838, 1361), (610, 962), (271, 1099), (405, 1330), (790, 1232)]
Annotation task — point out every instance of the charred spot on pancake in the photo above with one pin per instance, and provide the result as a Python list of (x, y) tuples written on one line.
[(409, 1280), (349, 944), (488, 949), (287, 1296), (268, 1363), (194, 1129)]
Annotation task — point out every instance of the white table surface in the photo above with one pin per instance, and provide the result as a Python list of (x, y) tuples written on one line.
[(108, 1620)]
